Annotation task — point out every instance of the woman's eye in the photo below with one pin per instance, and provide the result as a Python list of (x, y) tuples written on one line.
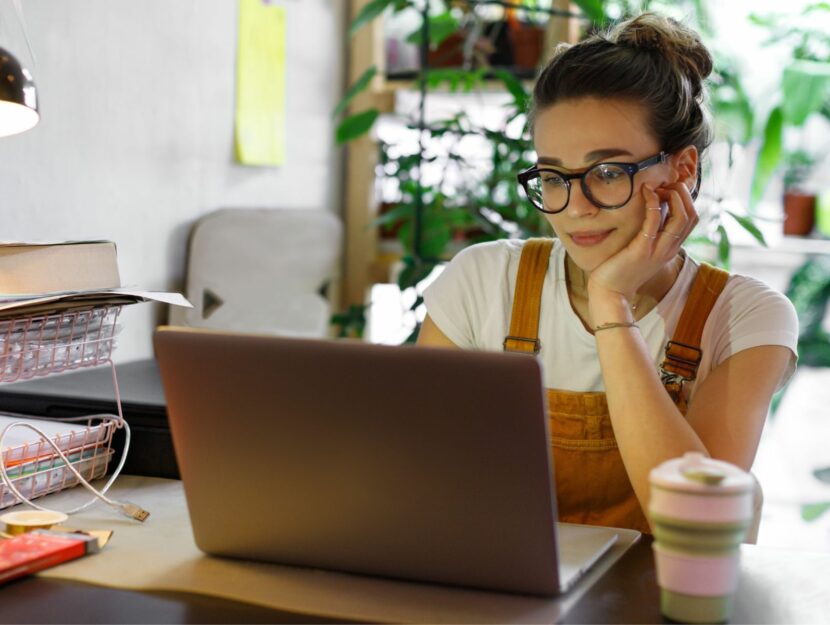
[(552, 180), (608, 174)]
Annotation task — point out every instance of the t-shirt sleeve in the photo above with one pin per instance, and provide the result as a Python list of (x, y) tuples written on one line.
[(756, 315), (456, 300)]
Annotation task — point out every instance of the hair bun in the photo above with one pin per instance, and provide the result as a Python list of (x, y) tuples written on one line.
[(679, 45)]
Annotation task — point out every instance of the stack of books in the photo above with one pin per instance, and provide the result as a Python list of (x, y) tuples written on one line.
[(59, 305)]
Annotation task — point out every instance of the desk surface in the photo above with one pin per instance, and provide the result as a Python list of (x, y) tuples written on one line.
[(777, 586), (627, 593)]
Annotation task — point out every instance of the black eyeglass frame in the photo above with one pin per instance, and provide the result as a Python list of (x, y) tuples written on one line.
[(527, 175)]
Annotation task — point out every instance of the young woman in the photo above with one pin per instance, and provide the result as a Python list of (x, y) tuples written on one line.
[(646, 354)]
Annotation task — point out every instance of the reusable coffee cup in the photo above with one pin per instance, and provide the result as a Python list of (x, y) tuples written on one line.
[(700, 510)]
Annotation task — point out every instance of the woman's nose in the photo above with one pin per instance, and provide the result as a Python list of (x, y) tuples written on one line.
[(579, 205)]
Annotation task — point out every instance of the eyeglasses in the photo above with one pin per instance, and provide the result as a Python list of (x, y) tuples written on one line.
[(606, 185)]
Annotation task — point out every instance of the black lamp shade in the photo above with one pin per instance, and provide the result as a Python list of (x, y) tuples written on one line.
[(18, 97)]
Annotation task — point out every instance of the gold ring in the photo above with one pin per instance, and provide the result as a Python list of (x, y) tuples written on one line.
[(654, 208), (647, 235)]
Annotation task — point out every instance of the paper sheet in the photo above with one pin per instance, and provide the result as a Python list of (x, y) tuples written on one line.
[(260, 84), (161, 555)]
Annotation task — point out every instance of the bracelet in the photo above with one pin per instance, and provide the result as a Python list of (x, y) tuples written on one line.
[(608, 326)]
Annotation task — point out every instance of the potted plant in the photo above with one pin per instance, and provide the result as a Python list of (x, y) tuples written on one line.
[(803, 91), (799, 201), (432, 216)]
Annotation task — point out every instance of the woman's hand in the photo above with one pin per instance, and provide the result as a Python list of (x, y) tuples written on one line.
[(616, 281)]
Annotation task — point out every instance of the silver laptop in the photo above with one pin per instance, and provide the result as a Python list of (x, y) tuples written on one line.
[(408, 462)]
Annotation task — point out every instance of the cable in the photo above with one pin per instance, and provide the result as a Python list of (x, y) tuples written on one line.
[(125, 507)]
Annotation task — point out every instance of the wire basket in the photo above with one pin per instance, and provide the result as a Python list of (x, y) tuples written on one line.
[(41, 345), (37, 346)]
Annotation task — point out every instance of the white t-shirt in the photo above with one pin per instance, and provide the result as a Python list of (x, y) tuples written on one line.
[(471, 302)]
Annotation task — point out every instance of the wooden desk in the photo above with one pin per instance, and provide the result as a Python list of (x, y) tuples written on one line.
[(777, 586)]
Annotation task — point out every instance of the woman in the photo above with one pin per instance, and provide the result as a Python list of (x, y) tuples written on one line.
[(619, 131)]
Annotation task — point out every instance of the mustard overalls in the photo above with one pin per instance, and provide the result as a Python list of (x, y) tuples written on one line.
[(592, 485)]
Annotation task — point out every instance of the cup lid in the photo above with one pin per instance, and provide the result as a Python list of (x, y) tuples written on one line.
[(694, 472)]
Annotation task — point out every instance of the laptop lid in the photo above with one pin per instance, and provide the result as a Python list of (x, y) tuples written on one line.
[(417, 463)]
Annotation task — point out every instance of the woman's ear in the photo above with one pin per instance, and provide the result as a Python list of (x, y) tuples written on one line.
[(685, 163)]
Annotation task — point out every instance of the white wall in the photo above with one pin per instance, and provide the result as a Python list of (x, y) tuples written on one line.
[(136, 136)]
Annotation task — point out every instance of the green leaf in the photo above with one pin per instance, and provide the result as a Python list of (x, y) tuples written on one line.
[(369, 12), (750, 227), (804, 87), (440, 27), (724, 247), (355, 125), (593, 10), (515, 87), (812, 511), (399, 212), (413, 272), (359, 86), (769, 155)]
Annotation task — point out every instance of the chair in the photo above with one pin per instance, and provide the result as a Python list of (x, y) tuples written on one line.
[(261, 270)]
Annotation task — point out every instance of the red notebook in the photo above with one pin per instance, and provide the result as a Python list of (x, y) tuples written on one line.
[(35, 551)]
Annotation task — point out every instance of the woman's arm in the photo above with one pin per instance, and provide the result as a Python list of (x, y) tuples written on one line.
[(431, 335), (729, 408), (724, 419)]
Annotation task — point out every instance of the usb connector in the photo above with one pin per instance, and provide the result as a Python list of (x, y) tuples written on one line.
[(133, 511)]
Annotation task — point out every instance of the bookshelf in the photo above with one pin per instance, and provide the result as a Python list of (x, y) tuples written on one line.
[(367, 259)]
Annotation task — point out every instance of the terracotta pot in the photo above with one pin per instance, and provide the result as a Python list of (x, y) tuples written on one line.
[(528, 41), (799, 213), (449, 53), (388, 231)]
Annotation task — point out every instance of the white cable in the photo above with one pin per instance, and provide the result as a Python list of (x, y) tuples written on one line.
[(127, 508), (18, 7)]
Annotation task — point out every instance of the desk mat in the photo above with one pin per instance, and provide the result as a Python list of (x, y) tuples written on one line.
[(161, 555)]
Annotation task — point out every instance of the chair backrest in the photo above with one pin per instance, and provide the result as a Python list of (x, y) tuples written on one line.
[(261, 270)]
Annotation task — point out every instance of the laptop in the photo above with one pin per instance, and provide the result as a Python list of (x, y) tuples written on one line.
[(416, 463)]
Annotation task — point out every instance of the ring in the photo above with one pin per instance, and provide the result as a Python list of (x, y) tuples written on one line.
[(653, 208), (648, 236), (675, 236)]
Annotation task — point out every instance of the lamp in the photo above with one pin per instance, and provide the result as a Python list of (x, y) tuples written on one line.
[(18, 97)]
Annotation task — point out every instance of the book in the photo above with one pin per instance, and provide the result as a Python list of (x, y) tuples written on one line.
[(28, 269), (34, 551)]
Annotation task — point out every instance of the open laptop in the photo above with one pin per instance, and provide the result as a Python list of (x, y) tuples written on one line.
[(417, 463)]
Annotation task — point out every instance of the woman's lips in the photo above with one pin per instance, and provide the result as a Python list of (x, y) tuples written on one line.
[(589, 238)]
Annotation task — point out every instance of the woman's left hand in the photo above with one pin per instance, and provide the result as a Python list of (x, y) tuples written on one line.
[(651, 249)]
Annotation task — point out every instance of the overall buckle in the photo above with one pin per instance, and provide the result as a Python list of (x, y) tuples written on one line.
[(537, 344)]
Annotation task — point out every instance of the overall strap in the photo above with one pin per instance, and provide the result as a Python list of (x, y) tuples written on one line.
[(527, 298), (683, 353)]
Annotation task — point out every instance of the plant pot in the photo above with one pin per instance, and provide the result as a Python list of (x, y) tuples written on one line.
[(528, 41), (799, 213), (449, 53)]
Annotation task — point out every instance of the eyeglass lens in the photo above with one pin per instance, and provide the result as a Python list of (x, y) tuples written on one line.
[(605, 184)]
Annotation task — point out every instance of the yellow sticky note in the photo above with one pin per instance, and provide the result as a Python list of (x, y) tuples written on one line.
[(260, 84)]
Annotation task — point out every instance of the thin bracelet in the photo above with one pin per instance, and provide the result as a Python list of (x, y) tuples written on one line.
[(608, 326)]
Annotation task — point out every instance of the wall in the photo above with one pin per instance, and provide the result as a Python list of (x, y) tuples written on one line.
[(136, 136)]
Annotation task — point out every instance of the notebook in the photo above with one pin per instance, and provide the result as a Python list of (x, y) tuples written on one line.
[(397, 461)]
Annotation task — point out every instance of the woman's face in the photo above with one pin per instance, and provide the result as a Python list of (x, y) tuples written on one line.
[(571, 136)]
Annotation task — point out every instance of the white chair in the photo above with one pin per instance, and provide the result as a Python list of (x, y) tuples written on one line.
[(261, 270)]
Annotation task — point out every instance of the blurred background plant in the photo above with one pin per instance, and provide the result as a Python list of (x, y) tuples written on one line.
[(438, 195)]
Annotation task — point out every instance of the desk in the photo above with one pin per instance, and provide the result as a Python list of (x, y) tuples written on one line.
[(777, 586), (625, 594)]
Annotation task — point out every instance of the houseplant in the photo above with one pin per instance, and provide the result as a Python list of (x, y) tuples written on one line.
[(431, 215), (803, 89), (799, 201)]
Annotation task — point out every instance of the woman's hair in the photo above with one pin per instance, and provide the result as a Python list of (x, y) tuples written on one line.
[(652, 60)]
